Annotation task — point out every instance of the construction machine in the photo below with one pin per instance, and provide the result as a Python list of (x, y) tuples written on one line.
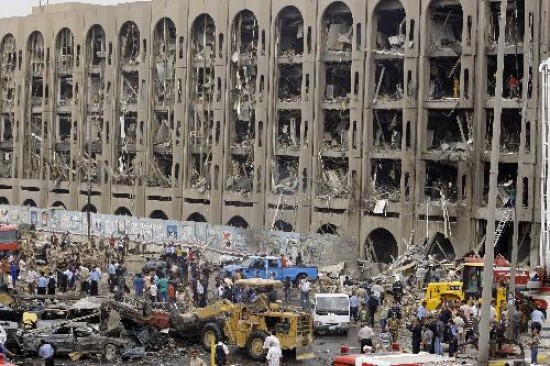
[(469, 288), (246, 325)]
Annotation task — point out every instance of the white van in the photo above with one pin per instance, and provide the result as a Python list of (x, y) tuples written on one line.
[(331, 313)]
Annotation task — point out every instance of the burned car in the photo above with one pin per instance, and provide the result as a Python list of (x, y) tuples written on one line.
[(74, 337)]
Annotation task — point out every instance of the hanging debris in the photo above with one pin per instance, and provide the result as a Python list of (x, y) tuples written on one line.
[(387, 130), (285, 175), (450, 135), (386, 179), (333, 178)]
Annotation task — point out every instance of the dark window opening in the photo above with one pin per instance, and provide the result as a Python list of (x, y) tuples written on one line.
[(337, 29), (444, 78), (441, 181), (388, 80), (387, 130), (290, 32), (386, 179)]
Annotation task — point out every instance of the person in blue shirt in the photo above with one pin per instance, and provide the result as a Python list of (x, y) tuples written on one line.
[(139, 284), (42, 284), (46, 353), (95, 277), (422, 312)]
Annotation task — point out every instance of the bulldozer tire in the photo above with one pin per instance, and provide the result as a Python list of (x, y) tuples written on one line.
[(210, 330), (255, 346)]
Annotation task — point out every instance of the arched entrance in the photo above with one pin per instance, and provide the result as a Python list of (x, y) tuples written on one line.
[(159, 215), (330, 229), (281, 225), (89, 208), (196, 217), (441, 247), (237, 221), (59, 205), (29, 203), (123, 211), (381, 245), (4, 201)]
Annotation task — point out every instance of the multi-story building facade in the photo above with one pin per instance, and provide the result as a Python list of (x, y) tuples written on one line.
[(364, 118)]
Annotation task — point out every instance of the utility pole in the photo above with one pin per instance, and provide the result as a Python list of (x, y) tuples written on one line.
[(485, 324), (89, 180)]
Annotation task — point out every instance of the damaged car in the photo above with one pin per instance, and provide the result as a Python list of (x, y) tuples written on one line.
[(75, 337)]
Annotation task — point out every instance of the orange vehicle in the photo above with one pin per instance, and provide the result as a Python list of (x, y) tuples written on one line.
[(9, 238)]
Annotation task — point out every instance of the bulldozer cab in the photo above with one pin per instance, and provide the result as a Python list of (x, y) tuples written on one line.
[(247, 325), (437, 291), (249, 328), (472, 278), (469, 289)]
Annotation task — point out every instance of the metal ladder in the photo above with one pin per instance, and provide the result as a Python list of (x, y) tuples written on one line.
[(501, 225), (498, 231)]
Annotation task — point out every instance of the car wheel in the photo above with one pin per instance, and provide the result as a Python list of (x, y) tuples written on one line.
[(111, 353), (255, 346)]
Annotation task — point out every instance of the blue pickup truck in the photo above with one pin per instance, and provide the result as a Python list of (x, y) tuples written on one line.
[(270, 267)]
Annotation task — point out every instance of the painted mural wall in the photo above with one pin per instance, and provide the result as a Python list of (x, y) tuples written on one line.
[(315, 248)]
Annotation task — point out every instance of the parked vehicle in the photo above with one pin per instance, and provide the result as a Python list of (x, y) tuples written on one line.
[(392, 359), (270, 267), (74, 337), (9, 238), (331, 313)]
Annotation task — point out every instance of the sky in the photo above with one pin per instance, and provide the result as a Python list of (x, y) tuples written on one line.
[(11, 8)]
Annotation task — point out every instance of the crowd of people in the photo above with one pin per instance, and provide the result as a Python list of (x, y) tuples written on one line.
[(386, 321), (182, 279)]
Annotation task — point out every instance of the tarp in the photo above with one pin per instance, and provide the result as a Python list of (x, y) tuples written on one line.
[(88, 303)]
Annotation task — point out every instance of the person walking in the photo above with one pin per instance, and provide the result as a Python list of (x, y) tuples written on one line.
[(287, 285), (222, 354), (42, 284), (46, 353), (354, 307), (372, 305), (274, 354), (162, 286), (304, 286), (139, 284), (364, 336), (416, 331), (534, 344), (95, 277), (537, 317)]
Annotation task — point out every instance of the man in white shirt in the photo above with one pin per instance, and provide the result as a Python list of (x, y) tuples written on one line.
[(364, 336), (274, 354), (32, 278), (270, 339), (304, 293), (466, 309), (475, 311), (537, 317)]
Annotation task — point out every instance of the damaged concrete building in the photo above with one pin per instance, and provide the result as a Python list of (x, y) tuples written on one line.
[(371, 119)]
